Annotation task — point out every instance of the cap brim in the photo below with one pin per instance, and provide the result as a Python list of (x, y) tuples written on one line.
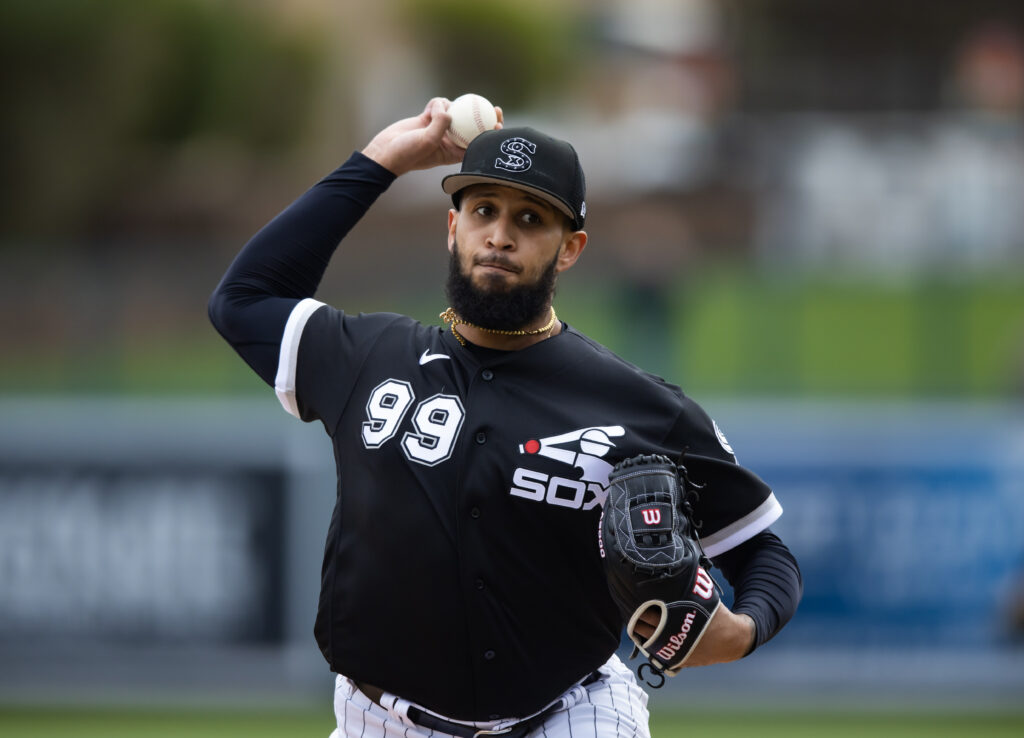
[(455, 182)]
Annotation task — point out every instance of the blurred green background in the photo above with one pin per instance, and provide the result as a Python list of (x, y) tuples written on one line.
[(144, 143), (788, 201)]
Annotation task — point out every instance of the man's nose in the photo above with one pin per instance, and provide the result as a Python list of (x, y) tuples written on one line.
[(502, 235)]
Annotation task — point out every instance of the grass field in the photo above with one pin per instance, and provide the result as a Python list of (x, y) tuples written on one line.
[(90, 723)]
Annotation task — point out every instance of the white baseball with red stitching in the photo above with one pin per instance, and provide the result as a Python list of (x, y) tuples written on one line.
[(471, 115)]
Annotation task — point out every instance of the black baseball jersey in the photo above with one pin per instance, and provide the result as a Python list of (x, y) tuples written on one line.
[(462, 568)]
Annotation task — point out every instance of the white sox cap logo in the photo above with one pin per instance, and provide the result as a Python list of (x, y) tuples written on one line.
[(515, 151)]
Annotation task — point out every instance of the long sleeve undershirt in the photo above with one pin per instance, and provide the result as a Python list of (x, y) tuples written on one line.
[(766, 581)]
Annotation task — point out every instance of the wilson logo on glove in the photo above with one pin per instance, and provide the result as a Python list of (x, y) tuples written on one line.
[(676, 641), (652, 519), (651, 558), (704, 585)]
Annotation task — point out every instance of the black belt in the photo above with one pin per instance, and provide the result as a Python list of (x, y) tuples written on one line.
[(432, 722)]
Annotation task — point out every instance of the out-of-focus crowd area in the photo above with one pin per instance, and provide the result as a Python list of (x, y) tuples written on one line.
[(803, 197), (808, 214)]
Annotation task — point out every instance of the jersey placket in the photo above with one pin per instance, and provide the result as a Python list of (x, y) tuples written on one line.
[(474, 505)]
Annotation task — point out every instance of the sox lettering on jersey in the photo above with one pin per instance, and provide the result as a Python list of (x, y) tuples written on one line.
[(554, 490)]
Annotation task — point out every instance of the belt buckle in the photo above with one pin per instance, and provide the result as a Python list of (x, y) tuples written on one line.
[(503, 731)]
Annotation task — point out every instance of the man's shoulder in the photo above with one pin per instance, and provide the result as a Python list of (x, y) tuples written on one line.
[(606, 361)]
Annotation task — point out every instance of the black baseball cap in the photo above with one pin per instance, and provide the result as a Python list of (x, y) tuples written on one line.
[(528, 160)]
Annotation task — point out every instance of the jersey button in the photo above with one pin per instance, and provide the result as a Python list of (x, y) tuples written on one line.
[(479, 583), (481, 438), (474, 513), (487, 375), (489, 655)]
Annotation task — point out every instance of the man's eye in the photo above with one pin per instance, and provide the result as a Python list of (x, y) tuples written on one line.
[(483, 210), (531, 218)]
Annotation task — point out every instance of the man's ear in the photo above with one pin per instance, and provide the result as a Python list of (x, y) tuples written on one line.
[(453, 217), (571, 250)]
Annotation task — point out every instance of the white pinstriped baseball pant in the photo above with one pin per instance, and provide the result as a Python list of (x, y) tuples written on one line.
[(614, 706)]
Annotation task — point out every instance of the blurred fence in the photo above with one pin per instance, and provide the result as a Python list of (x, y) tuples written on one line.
[(170, 549)]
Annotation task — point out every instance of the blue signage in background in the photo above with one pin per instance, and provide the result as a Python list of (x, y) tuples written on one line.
[(155, 555), (915, 556), (908, 524)]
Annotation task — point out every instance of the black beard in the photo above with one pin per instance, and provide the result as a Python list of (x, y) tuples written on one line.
[(501, 309)]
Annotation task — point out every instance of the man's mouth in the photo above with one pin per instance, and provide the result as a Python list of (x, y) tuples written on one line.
[(499, 265)]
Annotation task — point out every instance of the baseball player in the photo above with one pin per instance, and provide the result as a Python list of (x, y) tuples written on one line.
[(463, 591)]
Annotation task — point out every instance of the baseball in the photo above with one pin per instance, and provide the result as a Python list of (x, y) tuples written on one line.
[(471, 116)]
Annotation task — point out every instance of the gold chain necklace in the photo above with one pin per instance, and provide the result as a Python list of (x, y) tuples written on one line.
[(449, 316)]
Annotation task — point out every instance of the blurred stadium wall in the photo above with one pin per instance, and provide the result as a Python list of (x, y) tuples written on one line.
[(810, 215)]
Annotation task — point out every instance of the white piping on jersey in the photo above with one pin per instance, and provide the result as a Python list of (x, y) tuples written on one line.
[(284, 382), (746, 527)]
